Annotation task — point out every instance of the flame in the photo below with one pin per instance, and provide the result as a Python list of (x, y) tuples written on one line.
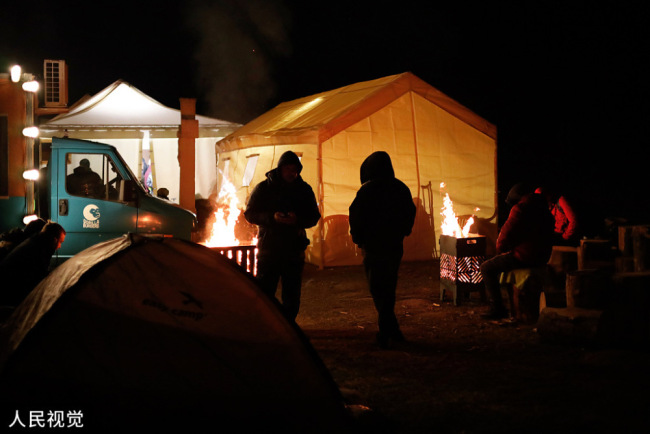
[(226, 215), (222, 233), (450, 225)]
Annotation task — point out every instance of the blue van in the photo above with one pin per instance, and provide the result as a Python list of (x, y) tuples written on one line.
[(89, 190)]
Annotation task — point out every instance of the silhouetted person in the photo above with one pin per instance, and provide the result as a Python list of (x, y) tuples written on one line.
[(34, 227), (566, 219), (381, 215), (525, 241), (83, 181), (27, 264), (12, 238), (283, 206), (163, 193)]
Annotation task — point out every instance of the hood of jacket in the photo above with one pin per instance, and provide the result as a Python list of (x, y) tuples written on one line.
[(377, 166), (288, 157)]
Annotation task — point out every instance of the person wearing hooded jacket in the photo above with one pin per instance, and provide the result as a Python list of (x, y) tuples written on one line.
[(282, 206), (381, 215), (525, 240)]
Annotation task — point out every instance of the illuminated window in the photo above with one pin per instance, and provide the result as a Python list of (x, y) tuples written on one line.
[(55, 77), (251, 163), (225, 175)]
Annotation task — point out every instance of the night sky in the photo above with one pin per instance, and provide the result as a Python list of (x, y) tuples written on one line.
[(565, 84)]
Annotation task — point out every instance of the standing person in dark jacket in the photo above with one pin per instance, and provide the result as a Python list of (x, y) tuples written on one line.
[(283, 206), (525, 240), (381, 215)]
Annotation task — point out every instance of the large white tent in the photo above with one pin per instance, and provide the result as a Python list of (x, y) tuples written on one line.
[(125, 117), (431, 138)]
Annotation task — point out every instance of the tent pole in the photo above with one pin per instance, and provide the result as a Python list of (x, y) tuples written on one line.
[(415, 143), (152, 159), (321, 207), (187, 135), (139, 174), (417, 172)]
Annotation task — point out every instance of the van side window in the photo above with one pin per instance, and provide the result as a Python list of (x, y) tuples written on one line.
[(93, 175)]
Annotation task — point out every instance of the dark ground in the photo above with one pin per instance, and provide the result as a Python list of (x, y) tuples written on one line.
[(459, 373)]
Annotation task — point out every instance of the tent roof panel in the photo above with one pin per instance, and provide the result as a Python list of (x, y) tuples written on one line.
[(122, 105), (316, 118)]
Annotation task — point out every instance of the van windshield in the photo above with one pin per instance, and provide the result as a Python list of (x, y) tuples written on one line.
[(130, 175)]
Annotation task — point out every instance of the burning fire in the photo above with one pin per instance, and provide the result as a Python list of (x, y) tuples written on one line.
[(450, 225), (222, 233), (226, 215)]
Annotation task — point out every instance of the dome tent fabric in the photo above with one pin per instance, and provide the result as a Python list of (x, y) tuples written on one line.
[(161, 333), (431, 139)]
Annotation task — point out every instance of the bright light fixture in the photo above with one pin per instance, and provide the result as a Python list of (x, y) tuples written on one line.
[(31, 132), (31, 175), (29, 218), (16, 72), (31, 86)]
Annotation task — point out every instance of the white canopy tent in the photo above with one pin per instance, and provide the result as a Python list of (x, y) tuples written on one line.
[(123, 116)]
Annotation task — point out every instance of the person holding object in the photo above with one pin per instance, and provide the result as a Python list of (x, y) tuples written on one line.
[(282, 206)]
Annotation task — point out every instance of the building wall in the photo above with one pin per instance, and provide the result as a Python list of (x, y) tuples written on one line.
[(12, 154)]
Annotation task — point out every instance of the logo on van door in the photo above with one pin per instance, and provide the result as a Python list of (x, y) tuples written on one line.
[(91, 216)]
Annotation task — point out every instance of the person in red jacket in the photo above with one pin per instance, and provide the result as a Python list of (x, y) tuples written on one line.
[(525, 240), (566, 221)]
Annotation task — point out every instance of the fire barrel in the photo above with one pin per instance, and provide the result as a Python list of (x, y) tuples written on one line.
[(244, 256), (460, 259)]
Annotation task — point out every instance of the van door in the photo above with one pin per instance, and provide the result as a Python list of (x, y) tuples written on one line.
[(90, 202)]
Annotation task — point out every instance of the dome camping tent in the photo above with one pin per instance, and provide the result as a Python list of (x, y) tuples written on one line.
[(430, 137), (145, 332)]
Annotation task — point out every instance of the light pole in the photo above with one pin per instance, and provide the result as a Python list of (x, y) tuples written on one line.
[(30, 131)]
